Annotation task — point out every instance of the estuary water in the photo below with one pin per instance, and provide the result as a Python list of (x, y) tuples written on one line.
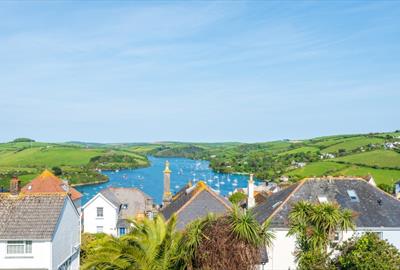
[(150, 179)]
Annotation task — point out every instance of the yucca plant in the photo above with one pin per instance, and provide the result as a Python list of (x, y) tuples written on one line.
[(314, 226)]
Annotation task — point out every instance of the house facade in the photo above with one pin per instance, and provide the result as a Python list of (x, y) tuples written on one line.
[(109, 210), (376, 211), (38, 231)]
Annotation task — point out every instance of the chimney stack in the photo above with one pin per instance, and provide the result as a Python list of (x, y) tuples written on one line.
[(15, 186), (167, 197), (250, 193)]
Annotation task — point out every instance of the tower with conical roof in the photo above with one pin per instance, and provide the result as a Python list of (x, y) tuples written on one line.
[(167, 196)]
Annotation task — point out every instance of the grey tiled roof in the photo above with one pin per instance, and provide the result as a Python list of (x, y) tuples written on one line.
[(197, 202), (30, 217), (136, 200), (264, 210), (374, 207)]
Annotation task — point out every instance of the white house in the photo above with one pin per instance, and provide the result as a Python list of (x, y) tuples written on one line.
[(108, 211), (377, 212), (38, 231)]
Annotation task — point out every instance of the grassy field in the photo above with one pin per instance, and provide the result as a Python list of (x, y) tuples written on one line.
[(381, 158), (27, 160), (318, 169), (303, 149), (268, 160), (352, 144)]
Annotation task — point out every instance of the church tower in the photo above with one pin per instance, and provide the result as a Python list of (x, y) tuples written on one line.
[(167, 197)]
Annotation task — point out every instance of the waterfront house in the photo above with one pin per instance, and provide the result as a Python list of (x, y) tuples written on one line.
[(38, 230), (48, 182), (376, 211), (109, 210), (191, 202)]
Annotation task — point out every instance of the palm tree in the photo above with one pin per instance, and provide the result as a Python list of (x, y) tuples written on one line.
[(150, 245), (314, 226), (231, 242)]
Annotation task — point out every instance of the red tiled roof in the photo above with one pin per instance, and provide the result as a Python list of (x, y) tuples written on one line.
[(48, 182)]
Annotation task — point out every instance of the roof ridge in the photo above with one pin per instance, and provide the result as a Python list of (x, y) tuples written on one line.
[(188, 202), (287, 199), (215, 195)]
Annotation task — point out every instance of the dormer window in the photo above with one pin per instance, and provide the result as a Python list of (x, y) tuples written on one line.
[(124, 206), (353, 195)]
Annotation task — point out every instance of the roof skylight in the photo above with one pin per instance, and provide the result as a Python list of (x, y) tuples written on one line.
[(353, 195)]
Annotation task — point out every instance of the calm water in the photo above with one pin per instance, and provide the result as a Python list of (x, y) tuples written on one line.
[(150, 179)]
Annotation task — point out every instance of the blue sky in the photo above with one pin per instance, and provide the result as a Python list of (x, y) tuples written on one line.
[(197, 71)]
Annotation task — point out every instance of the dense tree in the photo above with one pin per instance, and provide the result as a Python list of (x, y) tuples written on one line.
[(386, 187), (368, 252), (57, 170), (314, 226), (237, 197), (210, 243), (207, 243), (23, 140)]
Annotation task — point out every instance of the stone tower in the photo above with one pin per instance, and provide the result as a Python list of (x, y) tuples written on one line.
[(167, 197)]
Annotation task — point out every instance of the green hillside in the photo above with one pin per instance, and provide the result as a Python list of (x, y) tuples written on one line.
[(353, 155), (77, 163), (376, 159), (351, 144)]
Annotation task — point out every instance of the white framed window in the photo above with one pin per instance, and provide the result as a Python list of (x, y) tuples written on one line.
[(99, 229), (379, 234), (19, 247), (100, 212)]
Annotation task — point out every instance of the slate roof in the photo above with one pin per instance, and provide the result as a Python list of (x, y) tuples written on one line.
[(374, 207), (48, 182), (136, 200), (30, 217), (195, 202)]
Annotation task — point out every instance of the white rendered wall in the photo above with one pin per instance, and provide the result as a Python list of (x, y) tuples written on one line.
[(108, 221), (66, 239), (281, 253), (40, 258)]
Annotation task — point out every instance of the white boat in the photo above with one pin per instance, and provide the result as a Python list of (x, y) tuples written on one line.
[(234, 184), (217, 185), (209, 180), (222, 183)]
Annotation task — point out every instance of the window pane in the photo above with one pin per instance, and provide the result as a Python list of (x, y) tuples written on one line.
[(99, 211), (15, 249), (28, 247)]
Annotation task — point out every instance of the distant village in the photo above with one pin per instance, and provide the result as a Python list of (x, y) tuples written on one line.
[(41, 223)]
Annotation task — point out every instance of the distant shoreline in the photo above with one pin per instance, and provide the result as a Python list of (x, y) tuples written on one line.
[(90, 183)]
